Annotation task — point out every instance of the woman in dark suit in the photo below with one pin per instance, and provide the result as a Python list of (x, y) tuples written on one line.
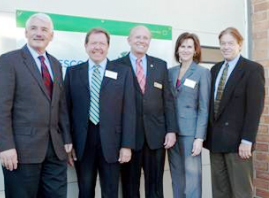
[(190, 85)]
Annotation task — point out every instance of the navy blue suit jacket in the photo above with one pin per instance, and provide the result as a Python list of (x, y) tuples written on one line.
[(117, 109), (240, 107)]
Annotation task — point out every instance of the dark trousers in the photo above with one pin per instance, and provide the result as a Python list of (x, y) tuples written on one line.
[(93, 161), (44, 180), (231, 176), (152, 162)]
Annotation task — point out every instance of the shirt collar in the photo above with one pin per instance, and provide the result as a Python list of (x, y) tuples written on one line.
[(102, 64), (133, 57), (34, 52), (233, 62)]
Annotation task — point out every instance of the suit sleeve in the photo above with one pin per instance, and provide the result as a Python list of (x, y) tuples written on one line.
[(64, 123), (7, 89), (169, 105), (128, 113), (203, 104), (254, 103)]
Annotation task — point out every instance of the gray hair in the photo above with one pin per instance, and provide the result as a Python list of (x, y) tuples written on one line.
[(41, 16)]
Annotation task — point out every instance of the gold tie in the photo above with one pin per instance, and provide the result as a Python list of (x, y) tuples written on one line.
[(220, 89)]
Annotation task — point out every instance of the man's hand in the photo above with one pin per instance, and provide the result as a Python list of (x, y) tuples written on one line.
[(68, 148), (9, 159), (125, 155), (170, 140), (197, 147), (245, 151), (72, 157)]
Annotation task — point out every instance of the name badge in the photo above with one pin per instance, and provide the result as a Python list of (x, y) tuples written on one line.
[(158, 85), (111, 74), (189, 83)]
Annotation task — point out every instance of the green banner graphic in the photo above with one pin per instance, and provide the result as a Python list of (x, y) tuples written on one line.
[(83, 24)]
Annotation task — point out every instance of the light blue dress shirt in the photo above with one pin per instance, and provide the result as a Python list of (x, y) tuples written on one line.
[(144, 63), (35, 55), (102, 69), (231, 67)]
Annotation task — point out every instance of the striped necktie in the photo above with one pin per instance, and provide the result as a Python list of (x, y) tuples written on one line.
[(46, 75), (220, 89), (94, 95), (140, 75)]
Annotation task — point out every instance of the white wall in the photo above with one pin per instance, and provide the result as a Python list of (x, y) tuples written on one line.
[(206, 18)]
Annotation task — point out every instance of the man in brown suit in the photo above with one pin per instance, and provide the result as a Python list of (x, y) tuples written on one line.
[(34, 127)]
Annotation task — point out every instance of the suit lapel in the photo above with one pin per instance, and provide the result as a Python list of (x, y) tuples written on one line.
[(84, 76), (105, 80), (31, 65), (173, 79), (231, 84), (189, 72), (56, 77), (150, 74), (127, 61)]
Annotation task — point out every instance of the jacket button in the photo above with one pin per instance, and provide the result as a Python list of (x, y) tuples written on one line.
[(226, 123)]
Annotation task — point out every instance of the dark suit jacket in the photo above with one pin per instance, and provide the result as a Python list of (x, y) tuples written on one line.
[(28, 116), (240, 108), (117, 109), (155, 109)]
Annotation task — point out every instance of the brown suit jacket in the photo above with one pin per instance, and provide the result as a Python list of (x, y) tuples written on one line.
[(28, 116)]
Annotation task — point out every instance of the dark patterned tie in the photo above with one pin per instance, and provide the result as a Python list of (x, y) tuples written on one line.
[(220, 89), (46, 75)]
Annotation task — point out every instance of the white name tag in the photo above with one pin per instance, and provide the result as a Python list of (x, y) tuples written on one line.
[(189, 83), (158, 85), (111, 74)]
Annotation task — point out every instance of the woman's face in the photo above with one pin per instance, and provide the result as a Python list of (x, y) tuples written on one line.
[(186, 50)]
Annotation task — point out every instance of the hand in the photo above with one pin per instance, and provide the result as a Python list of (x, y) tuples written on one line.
[(125, 155), (170, 140), (68, 148), (72, 157), (9, 159), (197, 147), (245, 151)]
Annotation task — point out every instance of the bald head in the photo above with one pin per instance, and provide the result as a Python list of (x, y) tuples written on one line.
[(139, 40), (139, 28)]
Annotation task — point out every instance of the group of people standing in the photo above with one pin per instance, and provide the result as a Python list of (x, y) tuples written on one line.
[(118, 117)]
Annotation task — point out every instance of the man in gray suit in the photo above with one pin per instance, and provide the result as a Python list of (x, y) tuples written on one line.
[(34, 127)]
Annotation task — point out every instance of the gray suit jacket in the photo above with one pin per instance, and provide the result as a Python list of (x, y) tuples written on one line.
[(192, 103), (28, 116)]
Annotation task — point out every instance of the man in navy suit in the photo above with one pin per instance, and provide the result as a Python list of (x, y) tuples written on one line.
[(156, 123), (236, 104), (100, 98)]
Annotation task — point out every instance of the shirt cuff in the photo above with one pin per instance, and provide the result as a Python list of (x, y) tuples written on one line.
[(246, 142), (199, 139)]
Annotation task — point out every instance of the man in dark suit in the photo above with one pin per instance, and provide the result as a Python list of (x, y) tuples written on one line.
[(156, 123), (237, 100), (34, 125), (100, 97)]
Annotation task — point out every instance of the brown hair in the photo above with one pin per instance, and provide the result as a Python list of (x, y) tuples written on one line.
[(97, 30), (234, 32), (197, 47)]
